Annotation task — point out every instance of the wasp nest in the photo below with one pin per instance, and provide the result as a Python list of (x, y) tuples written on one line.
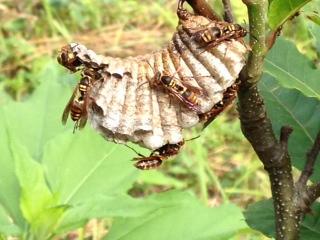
[(127, 102)]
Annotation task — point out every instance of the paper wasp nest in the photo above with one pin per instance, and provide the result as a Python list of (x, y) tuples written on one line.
[(128, 107)]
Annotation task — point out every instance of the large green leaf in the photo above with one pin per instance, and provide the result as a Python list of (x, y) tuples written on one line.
[(38, 120), (311, 223), (9, 185), (260, 216), (108, 206), (35, 195), (183, 217), (315, 32), (292, 69), (6, 225), (78, 168), (291, 107), (282, 10), (159, 178), (38, 205), (83, 165)]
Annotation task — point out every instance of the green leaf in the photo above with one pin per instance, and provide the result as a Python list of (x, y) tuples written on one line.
[(282, 10), (260, 216), (158, 178), (311, 223), (292, 69), (6, 226), (35, 195), (185, 218), (37, 203), (312, 12), (107, 206), (314, 18), (290, 107), (79, 168), (315, 32), (82, 166), (42, 112), (9, 185), (47, 222)]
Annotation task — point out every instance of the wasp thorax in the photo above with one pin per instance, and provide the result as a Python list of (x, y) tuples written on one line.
[(166, 80), (85, 80)]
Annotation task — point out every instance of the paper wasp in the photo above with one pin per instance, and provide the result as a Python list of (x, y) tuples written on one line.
[(77, 114), (184, 92), (67, 59), (212, 36), (157, 156), (148, 163), (228, 96), (78, 104)]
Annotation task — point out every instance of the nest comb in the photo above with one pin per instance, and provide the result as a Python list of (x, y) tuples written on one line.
[(128, 107)]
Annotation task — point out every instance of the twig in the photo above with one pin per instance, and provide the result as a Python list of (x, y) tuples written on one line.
[(285, 133), (313, 192), (310, 160), (228, 13), (202, 7)]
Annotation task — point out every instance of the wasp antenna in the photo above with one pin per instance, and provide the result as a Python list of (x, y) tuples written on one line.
[(139, 154), (142, 84), (193, 138)]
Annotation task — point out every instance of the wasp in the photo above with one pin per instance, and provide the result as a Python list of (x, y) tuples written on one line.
[(77, 114), (148, 163), (184, 92), (68, 59), (212, 36), (78, 104), (78, 109), (89, 77), (228, 96), (157, 156)]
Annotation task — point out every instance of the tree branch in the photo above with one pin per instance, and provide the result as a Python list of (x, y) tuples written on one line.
[(305, 196), (228, 13), (313, 192), (290, 201), (202, 7), (257, 128), (254, 66), (284, 136), (310, 160)]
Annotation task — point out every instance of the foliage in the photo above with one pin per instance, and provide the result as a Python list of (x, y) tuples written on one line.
[(281, 11), (297, 108), (261, 216), (289, 88), (53, 181)]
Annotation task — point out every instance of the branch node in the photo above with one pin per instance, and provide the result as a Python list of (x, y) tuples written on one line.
[(285, 133)]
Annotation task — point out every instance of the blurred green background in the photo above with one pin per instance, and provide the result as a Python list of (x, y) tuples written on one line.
[(219, 167)]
